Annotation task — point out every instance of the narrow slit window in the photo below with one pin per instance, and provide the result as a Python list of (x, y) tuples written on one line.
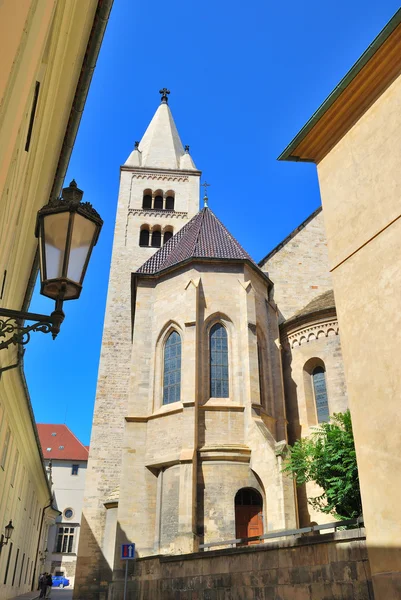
[(32, 117), (219, 387), (172, 369)]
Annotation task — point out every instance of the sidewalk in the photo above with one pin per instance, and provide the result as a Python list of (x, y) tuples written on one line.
[(28, 596)]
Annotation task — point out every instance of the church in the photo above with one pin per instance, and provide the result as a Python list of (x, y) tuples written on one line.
[(211, 364)]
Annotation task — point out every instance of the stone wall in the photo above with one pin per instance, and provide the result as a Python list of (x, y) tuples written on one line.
[(331, 566), (299, 267)]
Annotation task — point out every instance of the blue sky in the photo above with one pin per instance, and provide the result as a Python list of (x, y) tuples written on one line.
[(244, 78)]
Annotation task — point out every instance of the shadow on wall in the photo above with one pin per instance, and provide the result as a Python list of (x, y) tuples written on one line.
[(92, 576), (294, 431)]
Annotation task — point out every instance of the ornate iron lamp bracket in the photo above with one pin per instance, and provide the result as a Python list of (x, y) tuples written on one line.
[(13, 328)]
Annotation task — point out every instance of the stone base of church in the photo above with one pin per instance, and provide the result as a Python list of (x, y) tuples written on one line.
[(330, 566)]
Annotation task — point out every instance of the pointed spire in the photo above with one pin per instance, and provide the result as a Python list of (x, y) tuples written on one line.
[(161, 146), (205, 197)]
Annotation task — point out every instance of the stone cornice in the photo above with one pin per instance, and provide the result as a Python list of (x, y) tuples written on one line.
[(227, 453), (170, 214), (163, 174), (309, 333)]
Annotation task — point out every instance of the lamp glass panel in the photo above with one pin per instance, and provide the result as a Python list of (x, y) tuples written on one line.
[(81, 242), (56, 228)]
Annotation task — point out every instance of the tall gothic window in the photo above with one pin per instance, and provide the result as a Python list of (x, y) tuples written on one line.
[(218, 362), (320, 389), (172, 369)]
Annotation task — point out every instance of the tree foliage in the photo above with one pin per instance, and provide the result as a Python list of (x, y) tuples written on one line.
[(328, 458)]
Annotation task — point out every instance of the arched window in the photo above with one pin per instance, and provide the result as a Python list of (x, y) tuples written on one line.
[(167, 236), (218, 362), (156, 238), (248, 514), (169, 202), (172, 369), (144, 237), (147, 199), (158, 203), (320, 390)]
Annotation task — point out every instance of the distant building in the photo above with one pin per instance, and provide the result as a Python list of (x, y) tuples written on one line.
[(48, 53), (66, 459), (210, 364)]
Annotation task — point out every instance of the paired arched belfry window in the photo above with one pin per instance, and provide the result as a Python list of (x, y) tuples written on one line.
[(219, 387), (320, 390), (154, 238), (172, 369), (158, 200)]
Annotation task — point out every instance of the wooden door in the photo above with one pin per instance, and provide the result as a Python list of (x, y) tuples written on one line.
[(248, 522)]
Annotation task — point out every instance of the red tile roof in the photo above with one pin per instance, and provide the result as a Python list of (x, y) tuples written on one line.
[(62, 446), (204, 236)]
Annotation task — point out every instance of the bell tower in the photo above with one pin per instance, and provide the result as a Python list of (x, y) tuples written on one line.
[(159, 194), (159, 186)]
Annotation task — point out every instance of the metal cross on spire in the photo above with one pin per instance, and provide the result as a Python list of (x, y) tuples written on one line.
[(205, 198), (164, 92)]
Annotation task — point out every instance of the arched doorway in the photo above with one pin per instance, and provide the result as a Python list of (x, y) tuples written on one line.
[(248, 514)]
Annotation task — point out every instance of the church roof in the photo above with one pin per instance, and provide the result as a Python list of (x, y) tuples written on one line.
[(203, 237), (320, 305), (161, 146)]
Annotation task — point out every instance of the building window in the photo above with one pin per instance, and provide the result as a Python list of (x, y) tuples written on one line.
[(156, 238), (158, 201), (218, 362), (15, 567), (22, 568), (172, 369), (320, 390), (167, 236), (5, 449), (169, 202), (74, 469), (147, 199), (15, 468), (68, 513), (8, 563), (32, 117), (144, 237), (65, 539)]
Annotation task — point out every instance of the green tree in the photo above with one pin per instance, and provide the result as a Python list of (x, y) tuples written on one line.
[(328, 458)]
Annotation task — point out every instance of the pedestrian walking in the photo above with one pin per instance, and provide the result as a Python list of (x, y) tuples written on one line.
[(49, 583), (43, 585)]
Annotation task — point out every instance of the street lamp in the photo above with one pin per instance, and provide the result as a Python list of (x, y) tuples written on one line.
[(8, 533), (67, 230)]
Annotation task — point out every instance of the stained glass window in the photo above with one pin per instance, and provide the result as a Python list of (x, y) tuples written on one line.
[(218, 362), (319, 386), (172, 369)]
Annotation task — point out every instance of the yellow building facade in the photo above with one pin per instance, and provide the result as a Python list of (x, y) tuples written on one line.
[(48, 51), (354, 138)]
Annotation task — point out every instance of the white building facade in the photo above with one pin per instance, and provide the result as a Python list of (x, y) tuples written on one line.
[(66, 460)]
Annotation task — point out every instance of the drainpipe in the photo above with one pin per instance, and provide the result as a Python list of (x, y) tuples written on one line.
[(39, 538)]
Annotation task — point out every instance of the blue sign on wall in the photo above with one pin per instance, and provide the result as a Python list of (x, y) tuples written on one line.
[(127, 551)]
